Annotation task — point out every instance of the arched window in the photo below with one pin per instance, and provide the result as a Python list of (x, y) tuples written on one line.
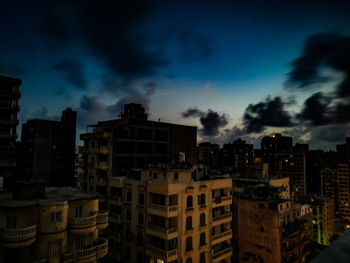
[(189, 201), (189, 244), (141, 199), (189, 260), (202, 257), (202, 220), (202, 239), (189, 222)]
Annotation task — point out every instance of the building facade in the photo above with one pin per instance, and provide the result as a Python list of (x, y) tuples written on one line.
[(9, 96), (48, 150), (161, 215), (57, 224)]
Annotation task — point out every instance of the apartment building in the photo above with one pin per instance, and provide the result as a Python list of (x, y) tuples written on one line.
[(9, 96), (166, 215), (54, 224), (48, 150), (343, 191), (323, 219), (268, 228)]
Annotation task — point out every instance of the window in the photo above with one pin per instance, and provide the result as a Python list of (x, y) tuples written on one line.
[(189, 201), (201, 199), (189, 244), (176, 176), (128, 215), (79, 211), (189, 223), (202, 220), (189, 260), (11, 222), (55, 249), (79, 242), (202, 239), (202, 257), (139, 239), (155, 175), (128, 196), (140, 219), (141, 199), (56, 217), (139, 257)]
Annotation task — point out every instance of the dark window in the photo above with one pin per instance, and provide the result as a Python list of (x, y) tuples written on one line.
[(189, 201), (79, 211), (141, 199), (140, 219), (202, 220), (189, 223), (128, 196), (189, 260), (176, 176), (202, 257), (56, 217), (128, 215), (11, 222), (189, 244), (139, 239), (201, 199), (202, 239)]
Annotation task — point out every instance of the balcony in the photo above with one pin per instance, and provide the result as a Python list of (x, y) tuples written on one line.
[(164, 255), (86, 255), (220, 219), (102, 219), (102, 248), (19, 237), (221, 237), (165, 233), (102, 166), (163, 210), (83, 225), (222, 254), (222, 200)]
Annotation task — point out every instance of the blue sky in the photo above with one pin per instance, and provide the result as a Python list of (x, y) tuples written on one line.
[(174, 56)]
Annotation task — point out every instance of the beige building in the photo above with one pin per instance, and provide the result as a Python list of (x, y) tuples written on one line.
[(164, 215), (56, 224), (268, 228)]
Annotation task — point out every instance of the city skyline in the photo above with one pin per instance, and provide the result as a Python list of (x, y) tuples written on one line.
[(231, 63)]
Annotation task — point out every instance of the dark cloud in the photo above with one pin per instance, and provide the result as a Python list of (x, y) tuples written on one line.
[(43, 114), (315, 110), (72, 71), (211, 120), (91, 109), (109, 29), (331, 133), (270, 112)]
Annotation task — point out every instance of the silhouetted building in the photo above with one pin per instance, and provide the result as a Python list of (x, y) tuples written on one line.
[(239, 156), (275, 144), (9, 96), (343, 183), (48, 150), (208, 154), (292, 166)]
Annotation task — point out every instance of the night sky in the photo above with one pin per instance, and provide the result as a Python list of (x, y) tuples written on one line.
[(232, 68)]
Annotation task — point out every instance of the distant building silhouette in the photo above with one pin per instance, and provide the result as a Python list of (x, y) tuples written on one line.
[(48, 150), (9, 96)]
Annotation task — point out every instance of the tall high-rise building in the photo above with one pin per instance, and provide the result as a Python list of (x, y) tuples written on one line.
[(239, 156), (48, 150), (9, 96), (275, 144), (292, 166), (56, 224), (208, 154), (163, 215), (343, 187)]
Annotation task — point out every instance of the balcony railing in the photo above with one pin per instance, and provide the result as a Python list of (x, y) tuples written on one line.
[(221, 235), (163, 229), (163, 253), (222, 198), (18, 233), (219, 217), (68, 257), (102, 248), (102, 217), (78, 222), (222, 252), (171, 208), (86, 253)]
